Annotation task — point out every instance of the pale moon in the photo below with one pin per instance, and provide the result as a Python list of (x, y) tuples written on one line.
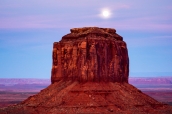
[(106, 13)]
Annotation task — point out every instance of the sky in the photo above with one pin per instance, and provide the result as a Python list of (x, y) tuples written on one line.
[(28, 29)]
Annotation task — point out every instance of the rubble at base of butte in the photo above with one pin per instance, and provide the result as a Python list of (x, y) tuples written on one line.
[(90, 75)]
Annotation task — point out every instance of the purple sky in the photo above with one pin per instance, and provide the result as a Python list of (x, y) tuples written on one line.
[(29, 28)]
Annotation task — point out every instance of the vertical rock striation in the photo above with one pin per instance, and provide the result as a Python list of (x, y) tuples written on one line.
[(90, 54)]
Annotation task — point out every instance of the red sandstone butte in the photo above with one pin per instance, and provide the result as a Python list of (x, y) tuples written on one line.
[(91, 54), (90, 76)]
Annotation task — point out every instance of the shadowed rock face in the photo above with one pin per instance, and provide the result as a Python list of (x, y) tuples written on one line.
[(90, 54)]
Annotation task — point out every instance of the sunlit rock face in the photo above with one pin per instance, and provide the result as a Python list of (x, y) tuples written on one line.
[(90, 54)]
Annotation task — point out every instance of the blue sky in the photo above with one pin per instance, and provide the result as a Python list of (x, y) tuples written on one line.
[(28, 29)]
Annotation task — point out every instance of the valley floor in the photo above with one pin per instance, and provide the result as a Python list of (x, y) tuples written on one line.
[(161, 93)]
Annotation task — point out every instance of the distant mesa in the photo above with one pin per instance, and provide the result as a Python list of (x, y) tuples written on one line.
[(151, 80), (89, 75)]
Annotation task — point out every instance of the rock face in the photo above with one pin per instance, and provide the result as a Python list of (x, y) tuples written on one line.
[(90, 75), (90, 54)]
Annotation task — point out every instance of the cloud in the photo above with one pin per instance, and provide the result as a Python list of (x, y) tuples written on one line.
[(43, 22), (51, 14), (128, 15)]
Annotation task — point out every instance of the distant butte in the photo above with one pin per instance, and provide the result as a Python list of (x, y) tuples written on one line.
[(90, 75)]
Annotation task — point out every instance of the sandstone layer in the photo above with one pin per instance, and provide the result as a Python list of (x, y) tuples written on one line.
[(90, 54)]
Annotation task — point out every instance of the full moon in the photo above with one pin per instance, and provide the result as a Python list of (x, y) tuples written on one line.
[(105, 13)]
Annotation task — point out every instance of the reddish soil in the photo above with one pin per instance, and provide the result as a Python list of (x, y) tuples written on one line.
[(10, 98), (73, 97), (161, 96)]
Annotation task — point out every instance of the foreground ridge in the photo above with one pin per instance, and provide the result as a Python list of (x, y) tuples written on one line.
[(91, 97)]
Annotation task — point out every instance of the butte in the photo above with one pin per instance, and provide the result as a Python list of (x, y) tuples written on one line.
[(89, 75)]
